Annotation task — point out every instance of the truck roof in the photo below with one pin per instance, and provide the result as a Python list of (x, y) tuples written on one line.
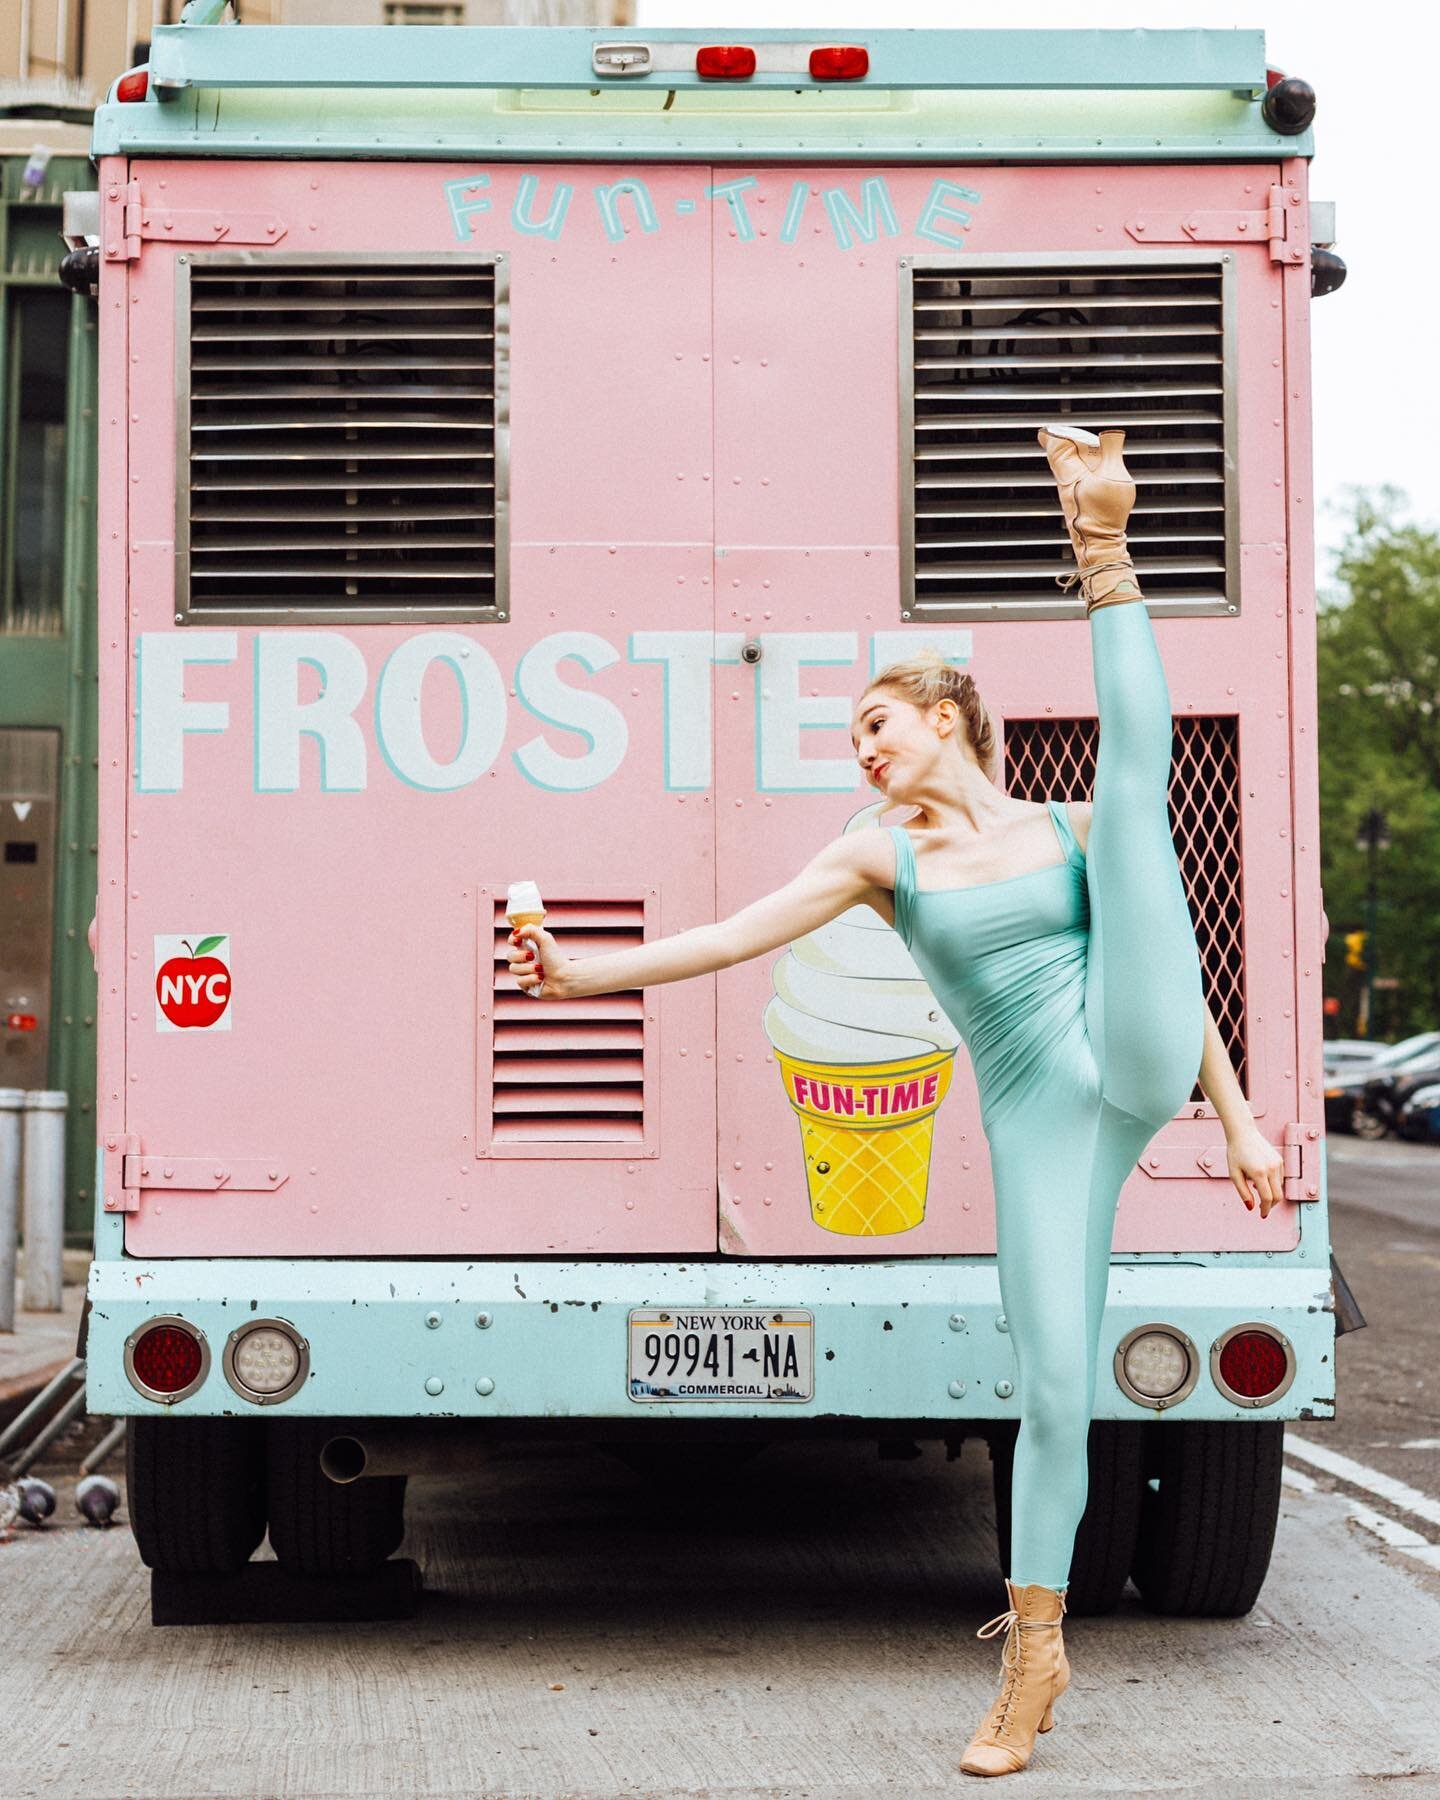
[(513, 93)]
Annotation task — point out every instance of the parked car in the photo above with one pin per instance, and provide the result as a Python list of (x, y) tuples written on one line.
[(1349, 1055), (1419, 1116), (1381, 1096), (1346, 1108)]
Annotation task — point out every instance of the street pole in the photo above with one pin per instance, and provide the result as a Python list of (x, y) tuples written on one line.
[(1373, 837), (1370, 938)]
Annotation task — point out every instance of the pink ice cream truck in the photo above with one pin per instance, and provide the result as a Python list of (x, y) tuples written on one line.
[(519, 450)]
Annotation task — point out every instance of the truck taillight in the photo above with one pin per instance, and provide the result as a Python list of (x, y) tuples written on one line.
[(724, 62), (1156, 1365), (133, 86), (839, 62), (166, 1359), (1252, 1364), (266, 1360), (22, 1022)]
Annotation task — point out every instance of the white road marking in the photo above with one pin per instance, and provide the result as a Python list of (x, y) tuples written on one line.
[(1421, 1444), (1397, 1536), (1384, 1487), (1389, 1531)]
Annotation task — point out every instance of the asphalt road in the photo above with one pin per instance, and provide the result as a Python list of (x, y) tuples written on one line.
[(1385, 1232), (810, 1634)]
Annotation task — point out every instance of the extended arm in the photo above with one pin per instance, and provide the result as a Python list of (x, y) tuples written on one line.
[(828, 885)]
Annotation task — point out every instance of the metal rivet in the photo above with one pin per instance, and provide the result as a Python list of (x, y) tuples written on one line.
[(434, 1385), (484, 1385), (432, 1320), (483, 1321), (1001, 1322), (1004, 1389), (957, 1390), (957, 1321)]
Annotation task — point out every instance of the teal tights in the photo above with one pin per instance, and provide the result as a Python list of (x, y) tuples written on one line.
[(1144, 1016)]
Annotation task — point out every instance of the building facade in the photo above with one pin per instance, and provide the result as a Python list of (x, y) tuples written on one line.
[(71, 50)]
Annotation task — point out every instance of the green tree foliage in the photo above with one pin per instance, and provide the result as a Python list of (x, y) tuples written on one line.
[(1379, 691)]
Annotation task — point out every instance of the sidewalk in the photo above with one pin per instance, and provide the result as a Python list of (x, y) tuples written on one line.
[(41, 1343)]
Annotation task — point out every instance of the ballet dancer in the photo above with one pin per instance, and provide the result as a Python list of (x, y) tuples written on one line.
[(1075, 985)]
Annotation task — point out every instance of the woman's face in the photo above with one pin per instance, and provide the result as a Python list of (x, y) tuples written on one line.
[(895, 743)]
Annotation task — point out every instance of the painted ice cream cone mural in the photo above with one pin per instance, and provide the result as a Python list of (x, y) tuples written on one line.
[(866, 1055)]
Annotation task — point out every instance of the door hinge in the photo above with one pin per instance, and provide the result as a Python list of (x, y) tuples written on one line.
[(1302, 1161), (1277, 226), (192, 1174), (127, 220), (120, 1196), (1300, 1148)]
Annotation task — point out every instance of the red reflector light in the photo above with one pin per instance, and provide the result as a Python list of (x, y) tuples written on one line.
[(167, 1359), (22, 1021), (725, 62), (1273, 77), (842, 62), (133, 86), (1253, 1364)]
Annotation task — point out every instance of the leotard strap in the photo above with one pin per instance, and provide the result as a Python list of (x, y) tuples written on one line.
[(1061, 815), (904, 882)]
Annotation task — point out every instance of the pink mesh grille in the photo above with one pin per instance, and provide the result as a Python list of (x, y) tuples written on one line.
[(1055, 759)]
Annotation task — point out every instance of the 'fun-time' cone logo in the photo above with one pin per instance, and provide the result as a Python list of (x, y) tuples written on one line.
[(868, 1133)]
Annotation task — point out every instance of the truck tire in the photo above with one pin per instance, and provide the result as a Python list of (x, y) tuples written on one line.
[(195, 1490), (318, 1527), (1207, 1515), (1105, 1538)]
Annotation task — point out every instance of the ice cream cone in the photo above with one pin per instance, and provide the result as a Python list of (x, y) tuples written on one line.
[(866, 1054), (867, 1131)]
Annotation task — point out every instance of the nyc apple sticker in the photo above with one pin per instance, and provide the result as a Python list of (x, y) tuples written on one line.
[(192, 984)]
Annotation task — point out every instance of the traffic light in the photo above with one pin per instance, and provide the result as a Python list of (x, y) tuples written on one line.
[(1355, 949)]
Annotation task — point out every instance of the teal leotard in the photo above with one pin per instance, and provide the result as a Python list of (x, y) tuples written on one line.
[(1077, 990)]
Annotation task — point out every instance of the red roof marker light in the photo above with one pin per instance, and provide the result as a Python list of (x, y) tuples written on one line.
[(841, 62), (724, 62), (133, 86)]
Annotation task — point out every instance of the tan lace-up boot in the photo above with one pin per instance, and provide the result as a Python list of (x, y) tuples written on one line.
[(1036, 1673), (1096, 495)]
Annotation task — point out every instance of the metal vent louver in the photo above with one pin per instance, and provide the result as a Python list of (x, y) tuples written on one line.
[(991, 349), (1053, 757), (568, 1071), (343, 437)]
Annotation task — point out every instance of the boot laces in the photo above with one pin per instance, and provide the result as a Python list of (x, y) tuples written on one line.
[(1012, 1656), (1066, 582)]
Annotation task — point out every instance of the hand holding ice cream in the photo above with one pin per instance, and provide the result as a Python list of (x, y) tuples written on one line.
[(536, 964)]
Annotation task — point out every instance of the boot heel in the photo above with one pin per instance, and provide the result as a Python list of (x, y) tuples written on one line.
[(1049, 1718)]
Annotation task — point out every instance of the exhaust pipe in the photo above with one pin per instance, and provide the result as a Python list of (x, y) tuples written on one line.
[(386, 1449)]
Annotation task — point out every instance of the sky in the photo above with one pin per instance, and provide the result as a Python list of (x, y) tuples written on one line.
[(1374, 380)]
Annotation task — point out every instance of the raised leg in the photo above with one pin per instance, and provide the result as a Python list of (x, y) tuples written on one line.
[(1144, 999), (1144, 1003)]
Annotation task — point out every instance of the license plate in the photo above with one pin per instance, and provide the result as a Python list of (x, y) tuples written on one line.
[(678, 1355)]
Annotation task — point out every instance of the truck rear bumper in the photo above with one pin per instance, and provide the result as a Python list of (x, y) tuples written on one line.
[(515, 1340)]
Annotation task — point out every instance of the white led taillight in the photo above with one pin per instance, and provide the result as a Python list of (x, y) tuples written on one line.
[(1156, 1365), (266, 1361)]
